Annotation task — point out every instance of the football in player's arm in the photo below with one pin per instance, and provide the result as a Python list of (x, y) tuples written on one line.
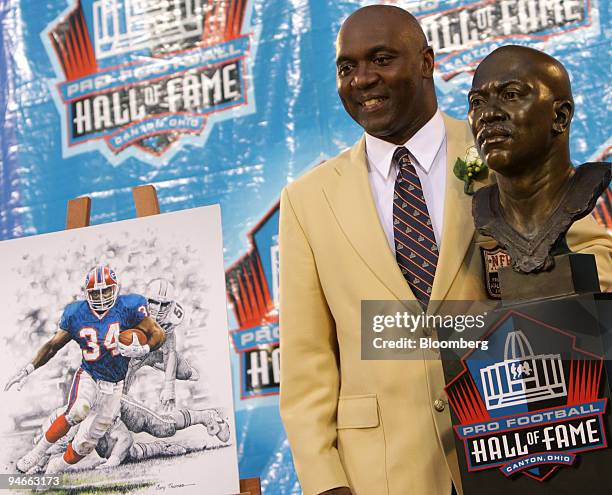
[(155, 338)]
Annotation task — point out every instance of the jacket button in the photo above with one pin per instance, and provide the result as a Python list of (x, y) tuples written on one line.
[(439, 405)]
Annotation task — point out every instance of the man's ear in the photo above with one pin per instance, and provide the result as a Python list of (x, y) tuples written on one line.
[(427, 66), (564, 110)]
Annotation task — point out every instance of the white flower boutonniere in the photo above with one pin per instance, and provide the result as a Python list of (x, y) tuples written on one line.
[(469, 169)]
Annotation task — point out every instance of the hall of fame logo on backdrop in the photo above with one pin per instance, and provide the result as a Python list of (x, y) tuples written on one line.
[(143, 77), (252, 286), (529, 404), (463, 35)]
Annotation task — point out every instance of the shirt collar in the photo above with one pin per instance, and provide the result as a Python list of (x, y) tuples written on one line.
[(423, 146)]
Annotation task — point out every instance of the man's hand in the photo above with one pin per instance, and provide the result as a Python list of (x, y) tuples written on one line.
[(168, 398), (134, 350), (19, 378), (343, 490), (111, 462)]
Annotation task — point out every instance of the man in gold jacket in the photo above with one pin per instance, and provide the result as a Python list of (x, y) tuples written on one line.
[(378, 427)]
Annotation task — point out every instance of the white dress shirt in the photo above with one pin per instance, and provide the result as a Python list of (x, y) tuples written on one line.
[(428, 154)]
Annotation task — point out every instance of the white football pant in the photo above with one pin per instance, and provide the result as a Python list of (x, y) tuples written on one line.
[(94, 403)]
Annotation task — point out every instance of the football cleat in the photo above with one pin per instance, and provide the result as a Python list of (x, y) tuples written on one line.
[(57, 465), (41, 466), (160, 294), (173, 449), (224, 432), (30, 460), (216, 426), (101, 288)]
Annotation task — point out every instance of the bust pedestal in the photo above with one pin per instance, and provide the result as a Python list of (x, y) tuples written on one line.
[(572, 274), (531, 413)]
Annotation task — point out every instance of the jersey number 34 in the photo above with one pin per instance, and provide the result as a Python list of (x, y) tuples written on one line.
[(90, 334)]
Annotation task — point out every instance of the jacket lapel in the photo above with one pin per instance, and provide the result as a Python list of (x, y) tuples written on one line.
[(458, 222), (351, 201)]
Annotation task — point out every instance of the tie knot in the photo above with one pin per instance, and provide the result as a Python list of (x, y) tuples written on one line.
[(402, 158)]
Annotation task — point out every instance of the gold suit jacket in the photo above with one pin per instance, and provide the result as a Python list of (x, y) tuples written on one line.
[(372, 425)]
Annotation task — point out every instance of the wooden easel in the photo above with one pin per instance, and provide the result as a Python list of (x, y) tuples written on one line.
[(145, 199)]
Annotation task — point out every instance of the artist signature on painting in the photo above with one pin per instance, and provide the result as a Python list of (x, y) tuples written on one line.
[(162, 487)]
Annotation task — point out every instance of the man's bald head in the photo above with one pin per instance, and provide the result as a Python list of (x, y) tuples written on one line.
[(507, 61), (385, 72), (386, 15)]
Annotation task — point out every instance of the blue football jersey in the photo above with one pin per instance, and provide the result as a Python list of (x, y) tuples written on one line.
[(98, 337)]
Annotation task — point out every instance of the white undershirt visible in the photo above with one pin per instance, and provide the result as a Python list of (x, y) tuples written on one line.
[(428, 154)]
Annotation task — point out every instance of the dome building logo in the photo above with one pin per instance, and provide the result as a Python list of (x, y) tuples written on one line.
[(522, 377)]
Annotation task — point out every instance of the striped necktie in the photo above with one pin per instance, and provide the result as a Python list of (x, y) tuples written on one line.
[(416, 250)]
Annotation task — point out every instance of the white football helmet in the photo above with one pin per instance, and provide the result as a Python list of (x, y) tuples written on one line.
[(160, 294), (101, 288)]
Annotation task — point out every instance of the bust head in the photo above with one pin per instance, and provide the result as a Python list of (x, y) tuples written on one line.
[(520, 109)]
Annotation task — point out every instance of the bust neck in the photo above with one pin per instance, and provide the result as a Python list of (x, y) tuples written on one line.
[(528, 201)]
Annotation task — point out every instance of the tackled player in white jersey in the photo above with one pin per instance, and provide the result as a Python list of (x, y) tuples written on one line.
[(169, 314), (118, 445)]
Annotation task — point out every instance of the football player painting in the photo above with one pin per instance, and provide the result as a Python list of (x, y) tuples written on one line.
[(95, 396), (169, 314)]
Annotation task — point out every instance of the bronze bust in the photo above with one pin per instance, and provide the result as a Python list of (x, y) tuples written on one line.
[(520, 109)]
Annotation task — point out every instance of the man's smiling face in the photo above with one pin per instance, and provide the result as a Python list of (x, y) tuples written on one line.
[(383, 73)]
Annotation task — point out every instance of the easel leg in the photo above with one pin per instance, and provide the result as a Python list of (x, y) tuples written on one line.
[(78, 212), (250, 486), (145, 199)]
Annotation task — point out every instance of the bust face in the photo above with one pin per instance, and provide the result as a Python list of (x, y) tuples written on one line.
[(511, 113)]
